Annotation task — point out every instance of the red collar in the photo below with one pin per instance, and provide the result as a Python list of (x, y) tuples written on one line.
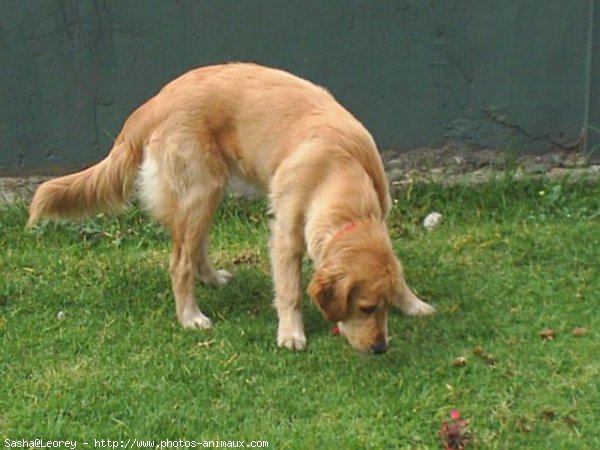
[(345, 229)]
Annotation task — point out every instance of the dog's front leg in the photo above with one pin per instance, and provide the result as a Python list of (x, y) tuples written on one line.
[(286, 261), (412, 305)]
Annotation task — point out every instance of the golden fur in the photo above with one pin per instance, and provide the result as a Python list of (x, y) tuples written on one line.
[(318, 164)]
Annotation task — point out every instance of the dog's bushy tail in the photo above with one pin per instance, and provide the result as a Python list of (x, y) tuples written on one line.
[(104, 187)]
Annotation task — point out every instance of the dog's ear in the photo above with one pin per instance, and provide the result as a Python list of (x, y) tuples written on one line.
[(330, 294)]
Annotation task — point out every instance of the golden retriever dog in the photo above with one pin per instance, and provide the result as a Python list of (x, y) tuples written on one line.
[(317, 163)]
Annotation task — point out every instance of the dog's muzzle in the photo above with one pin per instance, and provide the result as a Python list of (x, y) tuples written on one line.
[(380, 347)]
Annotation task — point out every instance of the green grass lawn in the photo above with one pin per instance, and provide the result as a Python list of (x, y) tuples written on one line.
[(90, 348)]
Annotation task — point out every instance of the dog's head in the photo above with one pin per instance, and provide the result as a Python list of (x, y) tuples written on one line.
[(357, 280)]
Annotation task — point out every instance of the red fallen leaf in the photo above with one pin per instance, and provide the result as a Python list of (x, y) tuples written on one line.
[(335, 330), (548, 334), (579, 331), (453, 434)]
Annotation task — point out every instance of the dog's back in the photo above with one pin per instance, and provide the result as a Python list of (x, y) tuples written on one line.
[(253, 116)]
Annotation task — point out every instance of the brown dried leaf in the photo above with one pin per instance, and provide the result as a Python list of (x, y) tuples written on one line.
[(579, 331), (478, 350), (524, 425), (205, 344), (490, 359), (570, 420), (461, 361), (549, 413), (548, 334), (245, 258), (487, 357)]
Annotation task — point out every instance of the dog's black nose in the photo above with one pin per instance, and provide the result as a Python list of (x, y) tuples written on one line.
[(380, 347)]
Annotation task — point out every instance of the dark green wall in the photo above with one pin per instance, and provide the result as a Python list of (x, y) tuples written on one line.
[(487, 73)]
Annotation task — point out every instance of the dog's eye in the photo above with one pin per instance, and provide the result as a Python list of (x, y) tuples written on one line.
[(368, 309)]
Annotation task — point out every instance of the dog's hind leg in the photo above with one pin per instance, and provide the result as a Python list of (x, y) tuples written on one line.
[(189, 228), (207, 272), (182, 181)]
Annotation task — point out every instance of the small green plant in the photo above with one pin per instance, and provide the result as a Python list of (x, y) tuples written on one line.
[(511, 162)]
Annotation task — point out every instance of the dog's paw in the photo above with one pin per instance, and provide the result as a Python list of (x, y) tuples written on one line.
[(293, 341), (195, 320), (218, 278), (418, 308)]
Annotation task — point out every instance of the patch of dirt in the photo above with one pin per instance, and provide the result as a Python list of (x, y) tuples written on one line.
[(448, 165), (453, 165), (13, 189)]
